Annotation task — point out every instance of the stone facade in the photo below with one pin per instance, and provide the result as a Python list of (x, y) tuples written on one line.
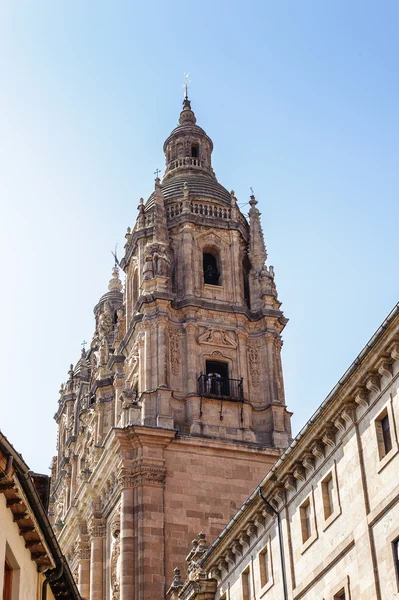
[(323, 523), (177, 409)]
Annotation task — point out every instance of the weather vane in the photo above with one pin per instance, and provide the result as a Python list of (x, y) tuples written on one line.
[(186, 84), (252, 192), (114, 254)]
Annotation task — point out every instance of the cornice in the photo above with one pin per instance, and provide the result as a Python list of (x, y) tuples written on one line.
[(181, 442)]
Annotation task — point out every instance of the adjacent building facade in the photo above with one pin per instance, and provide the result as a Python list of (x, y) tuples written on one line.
[(324, 522), (177, 409), (32, 566)]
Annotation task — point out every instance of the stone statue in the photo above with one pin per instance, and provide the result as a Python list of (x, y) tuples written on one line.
[(120, 326), (103, 352), (115, 562), (148, 272), (105, 321), (161, 264)]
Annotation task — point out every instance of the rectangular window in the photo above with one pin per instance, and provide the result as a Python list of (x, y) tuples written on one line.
[(340, 596), (306, 520), (245, 585), (386, 434), (328, 495), (383, 431), (264, 567)]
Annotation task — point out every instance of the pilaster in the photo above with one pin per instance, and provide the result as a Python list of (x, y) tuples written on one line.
[(96, 533), (126, 484), (83, 551)]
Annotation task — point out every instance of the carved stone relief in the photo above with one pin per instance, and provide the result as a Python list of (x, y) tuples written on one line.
[(175, 350), (217, 337), (253, 348)]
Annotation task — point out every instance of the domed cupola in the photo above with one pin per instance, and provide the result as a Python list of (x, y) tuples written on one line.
[(114, 296), (188, 149)]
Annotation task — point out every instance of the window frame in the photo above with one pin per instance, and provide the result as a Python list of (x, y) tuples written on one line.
[(246, 583), (215, 253), (385, 457), (14, 567), (313, 533), (342, 588), (265, 584), (331, 475)]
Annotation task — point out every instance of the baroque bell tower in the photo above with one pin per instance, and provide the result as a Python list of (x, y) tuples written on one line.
[(177, 409)]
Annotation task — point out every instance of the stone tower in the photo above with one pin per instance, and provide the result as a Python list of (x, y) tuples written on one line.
[(177, 409)]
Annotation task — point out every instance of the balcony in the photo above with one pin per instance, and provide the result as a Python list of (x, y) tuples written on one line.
[(215, 386)]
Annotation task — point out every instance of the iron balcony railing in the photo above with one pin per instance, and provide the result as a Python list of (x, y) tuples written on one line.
[(215, 386)]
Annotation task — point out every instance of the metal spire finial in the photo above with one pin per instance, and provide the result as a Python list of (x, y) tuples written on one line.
[(186, 85)]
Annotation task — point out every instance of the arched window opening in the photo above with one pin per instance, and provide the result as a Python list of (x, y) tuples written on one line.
[(135, 288), (211, 268), (246, 267), (195, 151)]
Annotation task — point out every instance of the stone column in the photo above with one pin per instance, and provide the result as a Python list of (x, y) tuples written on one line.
[(126, 480), (193, 366), (119, 383), (279, 370), (236, 286), (84, 570), (150, 580), (162, 352), (74, 460), (271, 366), (242, 337), (141, 382), (96, 530), (148, 356), (187, 255)]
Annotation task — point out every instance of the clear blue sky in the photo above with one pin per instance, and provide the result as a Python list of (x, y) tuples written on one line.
[(301, 101)]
